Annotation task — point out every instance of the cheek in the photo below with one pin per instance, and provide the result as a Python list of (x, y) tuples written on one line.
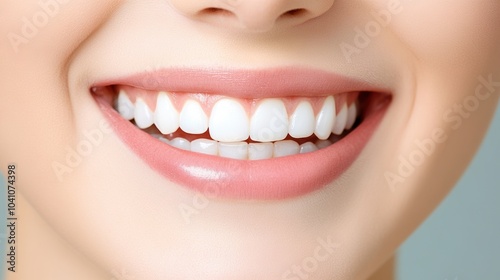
[(453, 51), (36, 114), (454, 48), (53, 28), (449, 34)]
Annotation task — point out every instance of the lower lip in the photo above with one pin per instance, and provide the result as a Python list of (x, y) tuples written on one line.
[(272, 179)]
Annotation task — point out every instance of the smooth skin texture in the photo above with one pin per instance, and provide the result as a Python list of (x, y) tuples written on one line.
[(113, 217)]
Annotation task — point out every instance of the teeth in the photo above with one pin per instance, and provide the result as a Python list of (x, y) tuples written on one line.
[(161, 138), (205, 146), (302, 121), (269, 121), (164, 140), (142, 114), (229, 121), (340, 121), (180, 143), (124, 106), (260, 151), (286, 148), (243, 150), (321, 144), (325, 119), (193, 119), (229, 125), (237, 150), (308, 148), (166, 117), (352, 112)]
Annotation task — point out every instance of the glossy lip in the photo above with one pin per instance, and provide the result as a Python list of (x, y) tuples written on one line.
[(276, 178)]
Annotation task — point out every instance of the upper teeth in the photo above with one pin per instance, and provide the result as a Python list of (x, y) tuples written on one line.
[(229, 121), (166, 116)]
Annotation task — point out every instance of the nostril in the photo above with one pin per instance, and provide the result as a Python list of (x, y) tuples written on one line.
[(294, 13), (215, 11)]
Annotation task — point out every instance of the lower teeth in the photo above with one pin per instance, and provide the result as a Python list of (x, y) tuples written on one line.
[(244, 150)]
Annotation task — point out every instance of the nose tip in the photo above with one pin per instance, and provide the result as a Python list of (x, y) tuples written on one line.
[(253, 15)]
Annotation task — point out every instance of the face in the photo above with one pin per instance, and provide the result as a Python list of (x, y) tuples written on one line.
[(243, 139)]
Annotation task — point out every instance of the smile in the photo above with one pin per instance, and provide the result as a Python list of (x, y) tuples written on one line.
[(271, 134)]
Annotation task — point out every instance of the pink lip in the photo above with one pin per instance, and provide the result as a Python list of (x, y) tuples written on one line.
[(278, 82), (277, 178)]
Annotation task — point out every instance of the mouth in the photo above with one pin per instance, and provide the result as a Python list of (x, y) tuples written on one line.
[(271, 134)]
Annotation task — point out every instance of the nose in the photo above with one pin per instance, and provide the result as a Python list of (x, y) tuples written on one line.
[(253, 15)]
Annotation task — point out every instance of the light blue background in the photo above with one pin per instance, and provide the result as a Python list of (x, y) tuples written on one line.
[(461, 239)]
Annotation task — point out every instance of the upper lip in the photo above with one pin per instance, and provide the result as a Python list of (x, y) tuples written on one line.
[(244, 83)]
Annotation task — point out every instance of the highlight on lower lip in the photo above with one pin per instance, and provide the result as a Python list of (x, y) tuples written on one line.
[(276, 178)]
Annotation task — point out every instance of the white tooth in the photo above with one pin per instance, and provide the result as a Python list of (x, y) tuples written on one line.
[(308, 148), (192, 118), (124, 106), (286, 148), (181, 143), (204, 146), (142, 114), (166, 116), (325, 119), (228, 121), (340, 121), (302, 121), (320, 144), (258, 151), (161, 138), (236, 150), (269, 121), (352, 112), (164, 140)]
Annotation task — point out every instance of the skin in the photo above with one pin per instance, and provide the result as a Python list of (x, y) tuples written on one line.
[(114, 215)]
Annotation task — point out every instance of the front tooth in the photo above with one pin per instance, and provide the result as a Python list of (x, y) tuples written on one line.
[(193, 119), (269, 121), (286, 148), (142, 114), (181, 143), (228, 121), (308, 147), (325, 119), (204, 146), (352, 112), (302, 121), (124, 106), (237, 150), (258, 151), (340, 121), (166, 116)]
